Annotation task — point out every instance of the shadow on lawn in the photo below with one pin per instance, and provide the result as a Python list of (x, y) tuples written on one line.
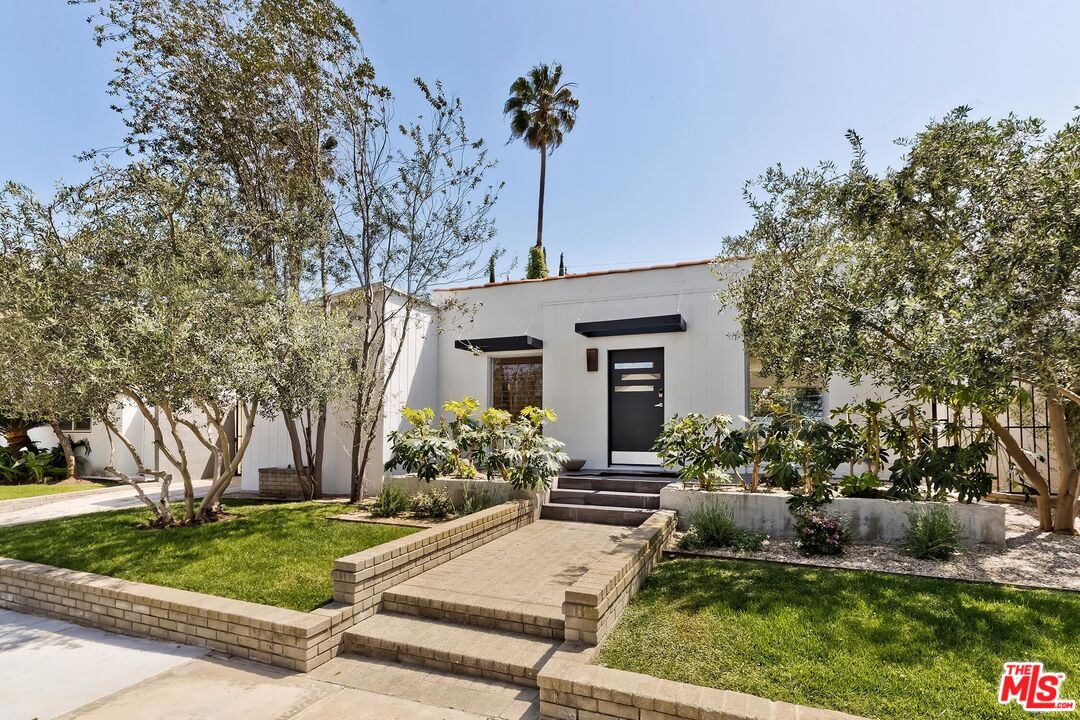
[(901, 616)]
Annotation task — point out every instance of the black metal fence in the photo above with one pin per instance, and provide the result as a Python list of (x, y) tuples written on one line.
[(1029, 423)]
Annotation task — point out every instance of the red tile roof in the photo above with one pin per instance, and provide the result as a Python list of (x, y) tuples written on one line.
[(572, 276)]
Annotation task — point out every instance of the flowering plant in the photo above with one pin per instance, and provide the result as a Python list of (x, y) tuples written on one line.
[(819, 533)]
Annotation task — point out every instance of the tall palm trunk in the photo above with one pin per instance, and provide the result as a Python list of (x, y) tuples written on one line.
[(540, 208)]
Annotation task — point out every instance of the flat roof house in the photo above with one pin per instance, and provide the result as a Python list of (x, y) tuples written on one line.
[(614, 353)]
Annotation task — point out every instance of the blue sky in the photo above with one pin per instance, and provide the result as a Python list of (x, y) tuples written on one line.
[(681, 102)]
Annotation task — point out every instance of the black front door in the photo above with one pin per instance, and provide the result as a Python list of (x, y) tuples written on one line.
[(635, 405)]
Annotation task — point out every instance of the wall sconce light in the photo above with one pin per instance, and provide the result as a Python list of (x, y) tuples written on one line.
[(592, 359)]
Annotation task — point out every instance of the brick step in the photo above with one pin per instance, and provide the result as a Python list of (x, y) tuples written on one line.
[(608, 498), (460, 649), (648, 485), (595, 514), (464, 608)]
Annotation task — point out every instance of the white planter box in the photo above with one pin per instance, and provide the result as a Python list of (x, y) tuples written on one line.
[(870, 519)]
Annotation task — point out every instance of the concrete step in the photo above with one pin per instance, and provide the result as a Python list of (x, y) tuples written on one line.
[(594, 514), (470, 608), (608, 498), (459, 649), (482, 697), (649, 485)]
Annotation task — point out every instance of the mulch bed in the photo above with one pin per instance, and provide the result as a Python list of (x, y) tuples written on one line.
[(1030, 558)]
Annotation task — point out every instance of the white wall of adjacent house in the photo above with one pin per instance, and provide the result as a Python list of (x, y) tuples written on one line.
[(412, 383), (140, 433), (705, 367)]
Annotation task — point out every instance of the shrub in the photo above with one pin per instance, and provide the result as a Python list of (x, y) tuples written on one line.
[(31, 466), (433, 503), (513, 448), (425, 449), (521, 453), (932, 534), (390, 502), (864, 485), (713, 525), (819, 533), (692, 445), (476, 498)]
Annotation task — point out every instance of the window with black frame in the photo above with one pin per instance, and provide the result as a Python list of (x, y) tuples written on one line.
[(517, 382), (75, 425)]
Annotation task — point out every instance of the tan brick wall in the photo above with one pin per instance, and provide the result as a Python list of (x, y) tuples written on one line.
[(580, 691), (361, 579), (277, 636), (286, 638), (279, 483), (595, 601)]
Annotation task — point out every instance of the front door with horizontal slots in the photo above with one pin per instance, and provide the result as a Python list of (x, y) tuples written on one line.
[(635, 405)]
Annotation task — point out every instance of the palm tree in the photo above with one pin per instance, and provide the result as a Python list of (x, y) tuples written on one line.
[(541, 109)]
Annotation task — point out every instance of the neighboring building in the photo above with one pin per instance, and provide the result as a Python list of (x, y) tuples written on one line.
[(136, 429)]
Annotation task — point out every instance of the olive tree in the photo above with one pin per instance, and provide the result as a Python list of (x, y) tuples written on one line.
[(135, 284), (243, 87), (951, 278), (411, 207)]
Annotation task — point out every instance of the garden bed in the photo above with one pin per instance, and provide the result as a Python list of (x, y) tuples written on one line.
[(872, 644), (870, 519), (273, 554)]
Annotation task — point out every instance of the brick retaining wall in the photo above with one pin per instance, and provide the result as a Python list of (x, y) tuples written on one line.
[(277, 636), (594, 602), (287, 638), (361, 579), (571, 690)]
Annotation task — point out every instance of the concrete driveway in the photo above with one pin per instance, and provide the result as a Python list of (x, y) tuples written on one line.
[(49, 667), (53, 669)]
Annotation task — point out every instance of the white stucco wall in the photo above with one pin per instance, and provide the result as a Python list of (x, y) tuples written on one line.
[(413, 383), (140, 433), (705, 367)]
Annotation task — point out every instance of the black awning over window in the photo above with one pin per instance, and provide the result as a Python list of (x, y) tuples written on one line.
[(500, 344), (632, 326)]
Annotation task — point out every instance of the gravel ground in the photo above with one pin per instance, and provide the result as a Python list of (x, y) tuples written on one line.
[(1031, 558)]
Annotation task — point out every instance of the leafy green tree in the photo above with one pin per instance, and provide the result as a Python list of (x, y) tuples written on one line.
[(562, 265), (542, 109), (950, 278), (141, 293), (245, 87)]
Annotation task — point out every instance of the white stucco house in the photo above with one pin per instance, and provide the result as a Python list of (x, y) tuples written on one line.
[(614, 353)]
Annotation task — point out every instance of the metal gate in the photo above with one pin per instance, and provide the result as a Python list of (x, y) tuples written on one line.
[(1029, 423)]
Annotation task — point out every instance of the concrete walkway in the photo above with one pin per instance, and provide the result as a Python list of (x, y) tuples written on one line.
[(221, 687), (92, 502), (48, 667)]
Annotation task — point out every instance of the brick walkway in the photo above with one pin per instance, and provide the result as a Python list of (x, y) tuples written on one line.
[(521, 575)]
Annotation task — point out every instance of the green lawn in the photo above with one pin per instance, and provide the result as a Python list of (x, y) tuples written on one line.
[(872, 644), (12, 492), (273, 554)]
